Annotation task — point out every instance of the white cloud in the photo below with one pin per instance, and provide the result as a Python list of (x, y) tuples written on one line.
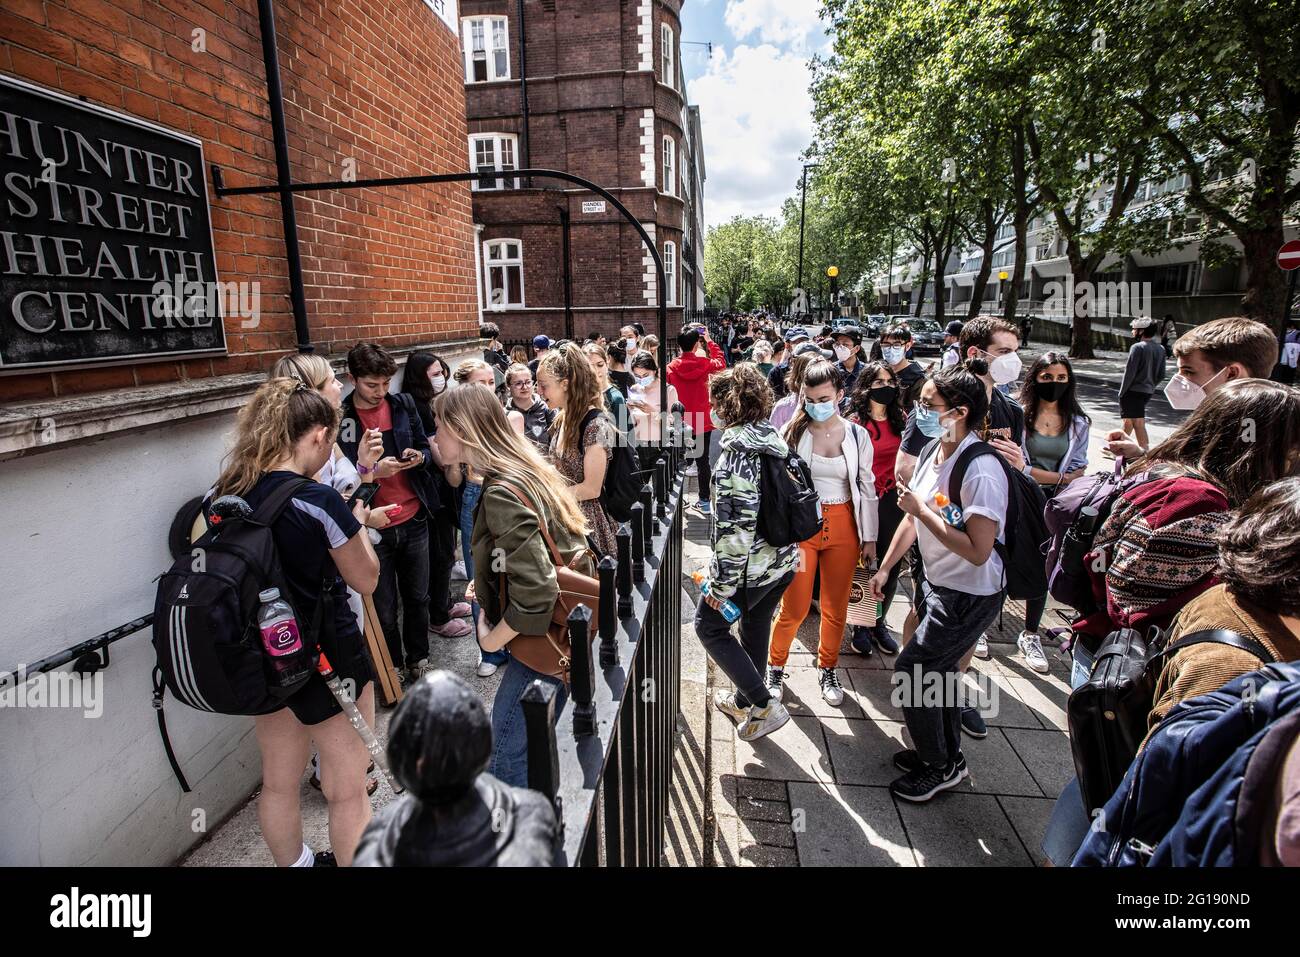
[(756, 118), (782, 22)]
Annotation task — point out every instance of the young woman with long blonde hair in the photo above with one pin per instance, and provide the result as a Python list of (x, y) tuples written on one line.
[(285, 433), (509, 539), (581, 435)]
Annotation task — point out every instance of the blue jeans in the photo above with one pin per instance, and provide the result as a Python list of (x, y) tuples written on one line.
[(472, 492), (509, 734), (1081, 668)]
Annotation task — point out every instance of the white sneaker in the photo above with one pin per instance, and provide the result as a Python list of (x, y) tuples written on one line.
[(1031, 649), (765, 720), (458, 571), (486, 669), (832, 693), (982, 647), (775, 682), (725, 701)]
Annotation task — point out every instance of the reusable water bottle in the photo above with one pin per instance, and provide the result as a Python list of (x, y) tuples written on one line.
[(950, 512), (730, 611), (281, 641)]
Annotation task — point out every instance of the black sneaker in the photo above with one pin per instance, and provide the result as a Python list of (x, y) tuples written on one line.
[(883, 639), (908, 761), (972, 722), (325, 859), (926, 781), (861, 640)]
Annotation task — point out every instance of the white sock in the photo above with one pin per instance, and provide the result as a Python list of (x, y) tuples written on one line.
[(306, 859)]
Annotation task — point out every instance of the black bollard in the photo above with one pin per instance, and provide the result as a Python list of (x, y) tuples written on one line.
[(538, 702), (608, 620), (661, 488), (637, 524), (648, 527), (582, 671), (623, 577)]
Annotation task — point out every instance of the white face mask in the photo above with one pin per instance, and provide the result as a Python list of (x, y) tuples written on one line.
[(1184, 395), (438, 382), (1005, 368), (629, 345), (893, 354), (842, 353)]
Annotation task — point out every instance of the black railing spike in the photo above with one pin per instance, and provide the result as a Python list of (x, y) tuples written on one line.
[(623, 577), (661, 487), (608, 619), (538, 702), (637, 524), (648, 527), (582, 671)]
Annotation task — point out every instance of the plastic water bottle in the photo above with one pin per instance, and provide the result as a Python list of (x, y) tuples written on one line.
[(950, 512), (281, 641), (730, 611)]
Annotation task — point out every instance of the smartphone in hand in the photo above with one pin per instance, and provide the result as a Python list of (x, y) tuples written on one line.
[(364, 494)]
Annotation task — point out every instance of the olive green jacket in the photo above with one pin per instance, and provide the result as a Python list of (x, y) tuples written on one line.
[(508, 539)]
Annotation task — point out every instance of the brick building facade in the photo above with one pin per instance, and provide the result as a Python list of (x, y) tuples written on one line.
[(97, 458), (606, 101), (375, 88)]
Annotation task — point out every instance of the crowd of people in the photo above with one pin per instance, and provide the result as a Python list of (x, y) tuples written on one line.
[(501, 463)]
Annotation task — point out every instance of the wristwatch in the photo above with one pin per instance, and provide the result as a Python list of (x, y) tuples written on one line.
[(1027, 471)]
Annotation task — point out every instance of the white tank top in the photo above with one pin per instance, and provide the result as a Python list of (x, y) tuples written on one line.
[(830, 478)]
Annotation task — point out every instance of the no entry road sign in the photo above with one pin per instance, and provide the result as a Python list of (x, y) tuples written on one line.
[(1288, 257)]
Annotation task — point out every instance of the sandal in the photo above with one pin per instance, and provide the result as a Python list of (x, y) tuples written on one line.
[(372, 784)]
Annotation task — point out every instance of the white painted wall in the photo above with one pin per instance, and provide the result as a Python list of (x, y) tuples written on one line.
[(84, 533)]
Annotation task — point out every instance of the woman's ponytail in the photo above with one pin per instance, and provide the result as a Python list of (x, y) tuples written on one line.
[(270, 424)]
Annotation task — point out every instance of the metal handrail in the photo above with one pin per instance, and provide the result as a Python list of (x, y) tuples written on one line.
[(85, 655)]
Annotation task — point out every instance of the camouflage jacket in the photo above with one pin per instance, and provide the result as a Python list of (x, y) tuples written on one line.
[(740, 556)]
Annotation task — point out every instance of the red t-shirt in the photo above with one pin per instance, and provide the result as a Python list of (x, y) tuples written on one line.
[(884, 450), (396, 489)]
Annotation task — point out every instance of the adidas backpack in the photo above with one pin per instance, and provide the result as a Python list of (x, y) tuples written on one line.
[(205, 630)]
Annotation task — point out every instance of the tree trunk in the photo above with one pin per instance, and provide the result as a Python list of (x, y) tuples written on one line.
[(1266, 284), (1019, 186), (1081, 331), (986, 262)]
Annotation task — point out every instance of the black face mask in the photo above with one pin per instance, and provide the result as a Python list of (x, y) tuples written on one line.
[(1050, 391), (884, 394)]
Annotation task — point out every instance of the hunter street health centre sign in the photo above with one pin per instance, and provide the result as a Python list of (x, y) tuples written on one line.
[(105, 237)]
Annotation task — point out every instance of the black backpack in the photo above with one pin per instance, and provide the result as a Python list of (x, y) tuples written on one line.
[(1025, 531), (623, 480), (1108, 713), (205, 631), (788, 505)]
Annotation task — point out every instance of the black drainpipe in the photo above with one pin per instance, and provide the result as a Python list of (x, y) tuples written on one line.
[(283, 176), (527, 159), (568, 273)]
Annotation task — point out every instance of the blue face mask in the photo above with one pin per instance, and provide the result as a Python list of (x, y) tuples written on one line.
[(928, 421), (644, 380), (893, 355), (819, 411)]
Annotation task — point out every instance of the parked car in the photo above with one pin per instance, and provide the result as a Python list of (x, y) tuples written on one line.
[(872, 325), (927, 336)]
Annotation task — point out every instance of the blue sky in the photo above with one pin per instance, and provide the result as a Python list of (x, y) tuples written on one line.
[(755, 111)]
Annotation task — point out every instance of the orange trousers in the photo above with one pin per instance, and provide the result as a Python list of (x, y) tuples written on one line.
[(835, 550)]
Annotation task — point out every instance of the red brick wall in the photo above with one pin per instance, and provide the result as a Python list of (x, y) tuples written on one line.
[(380, 82), (586, 121)]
